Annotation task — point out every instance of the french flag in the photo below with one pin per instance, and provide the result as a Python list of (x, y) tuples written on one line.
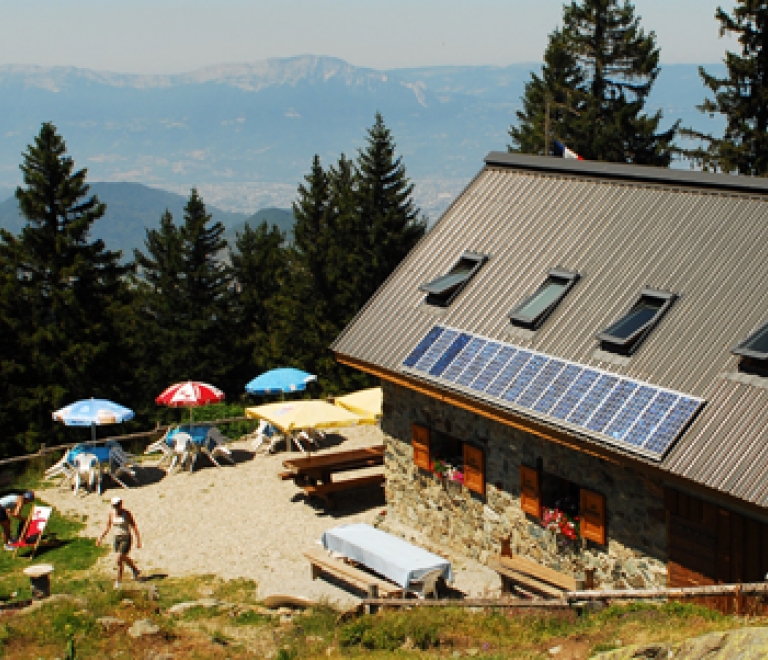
[(561, 151)]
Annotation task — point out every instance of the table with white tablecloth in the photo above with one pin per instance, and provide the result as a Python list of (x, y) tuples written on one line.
[(387, 555)]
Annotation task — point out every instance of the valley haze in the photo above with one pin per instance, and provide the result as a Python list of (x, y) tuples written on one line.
[(245, 134)]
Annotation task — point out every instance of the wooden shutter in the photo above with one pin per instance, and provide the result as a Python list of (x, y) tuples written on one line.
[(592, 516), (420, 443), (530, 491), (474, 469)]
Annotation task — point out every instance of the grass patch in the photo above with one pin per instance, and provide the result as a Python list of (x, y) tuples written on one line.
[(246, 631)]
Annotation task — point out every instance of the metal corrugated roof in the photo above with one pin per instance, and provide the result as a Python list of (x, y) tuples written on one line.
[(623, 228)]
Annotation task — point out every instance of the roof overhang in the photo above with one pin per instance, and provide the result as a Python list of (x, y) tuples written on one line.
[(634, 173)]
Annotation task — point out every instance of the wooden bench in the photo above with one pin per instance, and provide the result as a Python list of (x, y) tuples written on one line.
[(532, 577), (326, 491), (321, 561)]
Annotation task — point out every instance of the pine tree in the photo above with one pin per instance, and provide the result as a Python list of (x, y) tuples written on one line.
[(355, 222), (552, 91), (57, 294), (598, 71), (742, 96), (185, 300), (259, 266), (158, 303), (389, 219)]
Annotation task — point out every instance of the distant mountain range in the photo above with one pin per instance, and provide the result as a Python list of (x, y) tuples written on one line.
[(133, 208), (245, 134)]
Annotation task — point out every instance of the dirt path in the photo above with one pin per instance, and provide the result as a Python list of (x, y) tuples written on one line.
[(243, 522)]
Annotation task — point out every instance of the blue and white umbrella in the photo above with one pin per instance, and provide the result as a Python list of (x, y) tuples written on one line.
[(93, 413), (278, 381)]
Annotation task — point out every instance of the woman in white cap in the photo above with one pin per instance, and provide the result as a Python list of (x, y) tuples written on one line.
[(10, 507), (123, 522)]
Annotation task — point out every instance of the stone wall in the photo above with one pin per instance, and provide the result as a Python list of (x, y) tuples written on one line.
[(451, 515)]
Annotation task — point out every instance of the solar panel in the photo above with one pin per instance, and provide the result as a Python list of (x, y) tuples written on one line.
[(620, 411), (492, 368), (478, 363), (462, 360), (422, 346), (525, 377), (435, 350), (508, 374), (450, 354), (556, 389), (542, 380)]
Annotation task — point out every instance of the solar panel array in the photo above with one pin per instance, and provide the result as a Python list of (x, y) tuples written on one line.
[(621, 411)]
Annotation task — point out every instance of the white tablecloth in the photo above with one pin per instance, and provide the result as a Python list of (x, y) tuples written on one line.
[(385, 554)]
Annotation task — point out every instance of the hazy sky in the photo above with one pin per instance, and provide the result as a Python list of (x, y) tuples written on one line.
[(171, 36)]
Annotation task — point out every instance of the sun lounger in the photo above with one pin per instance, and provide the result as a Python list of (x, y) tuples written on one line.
[(62, 469), (33, 531)]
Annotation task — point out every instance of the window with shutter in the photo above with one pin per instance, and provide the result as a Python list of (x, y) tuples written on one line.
[(592, 516), (474, 469), (530, 491), (420, 443)]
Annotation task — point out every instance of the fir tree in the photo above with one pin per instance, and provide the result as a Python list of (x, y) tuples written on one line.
[(742, 96), (159, 302), (259, 266), (598, 71), (389, 219), (57, 294), (185, 300)]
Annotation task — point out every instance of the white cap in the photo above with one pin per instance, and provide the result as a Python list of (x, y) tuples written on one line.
[(116, 501)]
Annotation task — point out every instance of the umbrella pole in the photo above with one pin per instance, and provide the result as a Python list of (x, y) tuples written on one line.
[(93, 433)]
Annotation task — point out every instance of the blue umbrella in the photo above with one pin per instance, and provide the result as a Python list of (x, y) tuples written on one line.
[(93, 413), (277, 381)]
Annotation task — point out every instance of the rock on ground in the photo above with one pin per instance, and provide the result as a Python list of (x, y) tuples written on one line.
[(742, 644)]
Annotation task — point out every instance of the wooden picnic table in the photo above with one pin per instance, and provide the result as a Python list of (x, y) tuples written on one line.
[(314, 474)]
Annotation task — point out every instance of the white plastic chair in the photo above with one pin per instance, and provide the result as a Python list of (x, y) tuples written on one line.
[(161, 446), (309, 436), (120, 462), (61, 469), (266, 432), (184, 450), (87, 465), (217, 441), (426, 585)]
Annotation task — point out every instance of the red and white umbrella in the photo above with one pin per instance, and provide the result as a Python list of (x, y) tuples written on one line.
[(189, 394)]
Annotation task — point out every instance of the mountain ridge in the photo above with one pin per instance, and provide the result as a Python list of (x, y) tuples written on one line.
[(132, 208)]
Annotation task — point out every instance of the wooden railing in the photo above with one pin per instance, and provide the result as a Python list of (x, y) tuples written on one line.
[(158, 430), (744, 599)]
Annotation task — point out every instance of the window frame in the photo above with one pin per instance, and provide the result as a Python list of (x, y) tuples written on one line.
[(448, 295), (593, 521), (534, 323), (424, 440), (742, 349), (630, 344)]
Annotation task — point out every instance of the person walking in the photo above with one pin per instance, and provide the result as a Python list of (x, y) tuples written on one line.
[(10, 507), (124, 524)]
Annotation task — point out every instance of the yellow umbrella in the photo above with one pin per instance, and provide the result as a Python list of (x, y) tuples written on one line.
[(296, 415), (366, 403)]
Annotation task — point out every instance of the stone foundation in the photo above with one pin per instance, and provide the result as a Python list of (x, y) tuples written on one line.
[(451, 515)]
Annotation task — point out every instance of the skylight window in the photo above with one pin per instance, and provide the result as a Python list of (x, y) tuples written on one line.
[(626, 334), (755, 346), (534, 310), (444, 289)]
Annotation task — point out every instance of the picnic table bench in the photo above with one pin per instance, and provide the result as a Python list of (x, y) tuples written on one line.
[(321, 561), (315, 474), (531, 577)]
